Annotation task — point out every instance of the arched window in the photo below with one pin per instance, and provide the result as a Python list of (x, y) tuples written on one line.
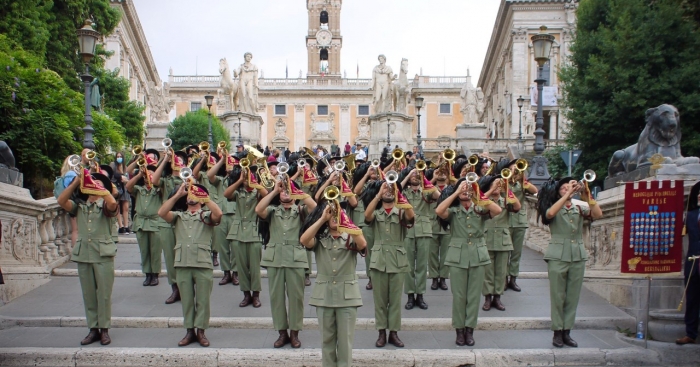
[(324, 54), (324, 17)]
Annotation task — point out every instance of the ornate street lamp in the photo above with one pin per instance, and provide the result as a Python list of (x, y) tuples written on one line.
[(542, 45), (210, 101), (419, 105), (521, 101), (240, 140), (87, 39)]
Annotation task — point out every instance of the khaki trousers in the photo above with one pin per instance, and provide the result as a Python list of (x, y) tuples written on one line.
[(227, 257), (387, 299), (289, 281), (495, 273), (517, 235), (417, 251), (436, 256), (167, 241), (150, 249), (195, 292), (466, 295), (337, 325), (248, 256), (96, 282), (565, 282)]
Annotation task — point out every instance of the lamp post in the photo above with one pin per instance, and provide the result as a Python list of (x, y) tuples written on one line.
[(240, 140), (521, 101), (388, 128), (210, 100), (87, 38), (419, 105), (542, 45)]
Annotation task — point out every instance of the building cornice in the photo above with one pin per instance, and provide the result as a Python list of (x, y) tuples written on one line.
[(132, 25)]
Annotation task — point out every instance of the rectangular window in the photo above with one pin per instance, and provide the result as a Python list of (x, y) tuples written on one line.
[(280, 109), (195, 106), (445, 108), (363, 110), (322, 110)]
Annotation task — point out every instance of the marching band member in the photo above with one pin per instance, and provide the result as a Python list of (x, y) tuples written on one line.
[(193, 234), (566, 254), (243, 232), (498, 241), (336, 294), (285, 258), (94, 250), (466, 211), (167, 179), (692, 272), (518, 222), (419, 237), (389, 260), (363, 176), (437, 269), (147, 223)]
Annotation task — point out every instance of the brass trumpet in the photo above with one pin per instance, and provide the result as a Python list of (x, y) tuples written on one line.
[(331, 193), (203, 147), (521, 165), (473, 160), (137, 150), (339, 165), (221, 145), (141, 162), (301, 163), (420, 165), (167, 143), (391, 177), (449, 155), (74, 162), (397, 154), (472, 177), (282, 169), (375, 163), (506, 174)]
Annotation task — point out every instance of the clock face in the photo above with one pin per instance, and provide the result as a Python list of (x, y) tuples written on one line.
[(323, 37)]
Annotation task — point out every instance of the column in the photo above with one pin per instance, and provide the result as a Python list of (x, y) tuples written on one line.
[(344, 126), (553, 124), (299, 126)]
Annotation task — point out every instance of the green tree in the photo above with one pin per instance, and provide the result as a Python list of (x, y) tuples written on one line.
[(40, 116), (115, 100), (193, 128), (108, 134), (628, 56)]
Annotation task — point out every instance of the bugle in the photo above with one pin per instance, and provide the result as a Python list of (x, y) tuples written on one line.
[(166, 143), (420, 165), (375, 163), (391, 177)]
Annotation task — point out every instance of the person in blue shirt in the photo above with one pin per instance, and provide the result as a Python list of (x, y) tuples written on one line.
[(692, 268)]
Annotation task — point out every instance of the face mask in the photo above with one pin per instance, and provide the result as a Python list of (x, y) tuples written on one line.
[(120, 160)]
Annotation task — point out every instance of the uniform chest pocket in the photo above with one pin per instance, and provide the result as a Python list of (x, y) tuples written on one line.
[(554, 250), (178, 252), (300, 254), (453, 253), (76, 248), (203, 254), (319, 291), (269, 253), (352, 289), (483, 252), (233, 229), (426, 226), (108, 249), (401, 259)]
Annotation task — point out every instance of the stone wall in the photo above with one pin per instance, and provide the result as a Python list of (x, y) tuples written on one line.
[(36, 237)]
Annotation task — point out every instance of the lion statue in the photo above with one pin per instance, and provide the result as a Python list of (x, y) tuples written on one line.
[(662, 134)]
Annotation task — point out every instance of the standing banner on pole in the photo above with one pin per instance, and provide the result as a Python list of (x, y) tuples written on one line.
[(652, 240)]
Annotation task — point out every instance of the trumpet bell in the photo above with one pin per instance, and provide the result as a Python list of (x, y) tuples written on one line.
[(245, 162), (221, 145), (167, 143), (91, 155), (449, 154), (391, 177), (472, 177), (185, 173), (137, 150), (283, 167), (521, 165), (506, 173), (397, 154), (420, 165), (141, 162), (375, 163), (204, 146), (589, 175), (331, 192), (339, 165), (74, 160), (473, 160), (301, 163)]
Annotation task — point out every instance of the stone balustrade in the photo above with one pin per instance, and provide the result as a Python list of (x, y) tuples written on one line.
[(36, 238)]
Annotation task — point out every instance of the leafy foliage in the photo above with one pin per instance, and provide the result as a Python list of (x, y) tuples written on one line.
[(193, 128), (628, 56), (115, 101)]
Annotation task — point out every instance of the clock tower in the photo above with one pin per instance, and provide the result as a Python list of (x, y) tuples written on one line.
[(323, 40)]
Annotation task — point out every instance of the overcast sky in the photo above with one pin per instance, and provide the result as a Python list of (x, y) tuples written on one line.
[(443, 37)]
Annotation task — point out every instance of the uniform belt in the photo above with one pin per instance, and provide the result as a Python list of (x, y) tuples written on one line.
[(338, 278), (566, 238), (149, 217)]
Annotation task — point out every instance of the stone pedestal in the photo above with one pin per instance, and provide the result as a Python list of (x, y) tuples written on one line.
[(36, 237), (251, 126), (470, 137), (11, 176), (156, 132), (400, 129), (688, 172)]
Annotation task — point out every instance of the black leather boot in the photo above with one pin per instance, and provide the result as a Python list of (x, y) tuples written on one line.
[(175, 296), (558, 340), (421, 303), (411, 302), (435, 285), (147, 281), (566, 338)]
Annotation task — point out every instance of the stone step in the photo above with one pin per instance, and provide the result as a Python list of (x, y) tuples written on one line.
[(311, 323), (67, 272), (157, 347)]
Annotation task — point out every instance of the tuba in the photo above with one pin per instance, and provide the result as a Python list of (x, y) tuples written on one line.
[(266, 178)]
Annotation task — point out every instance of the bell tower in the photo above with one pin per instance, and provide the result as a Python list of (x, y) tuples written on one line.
[(323, 40)]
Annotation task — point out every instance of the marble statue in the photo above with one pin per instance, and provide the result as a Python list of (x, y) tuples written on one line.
[(529, 122), (480, 104), (470, 102), (280, 129), (662, 134), (382, 77), (401, 90), (247, 75), (228, 85), (159, 107)]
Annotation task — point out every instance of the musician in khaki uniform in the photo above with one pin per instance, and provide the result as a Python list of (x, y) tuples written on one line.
[(243, 234), (498, 242), (566, 254), (94, 249), (466, 210), (193, 234), (419, 238), (285, 260), (518, 223), (336, 293), (364, 175), (389, 260)]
